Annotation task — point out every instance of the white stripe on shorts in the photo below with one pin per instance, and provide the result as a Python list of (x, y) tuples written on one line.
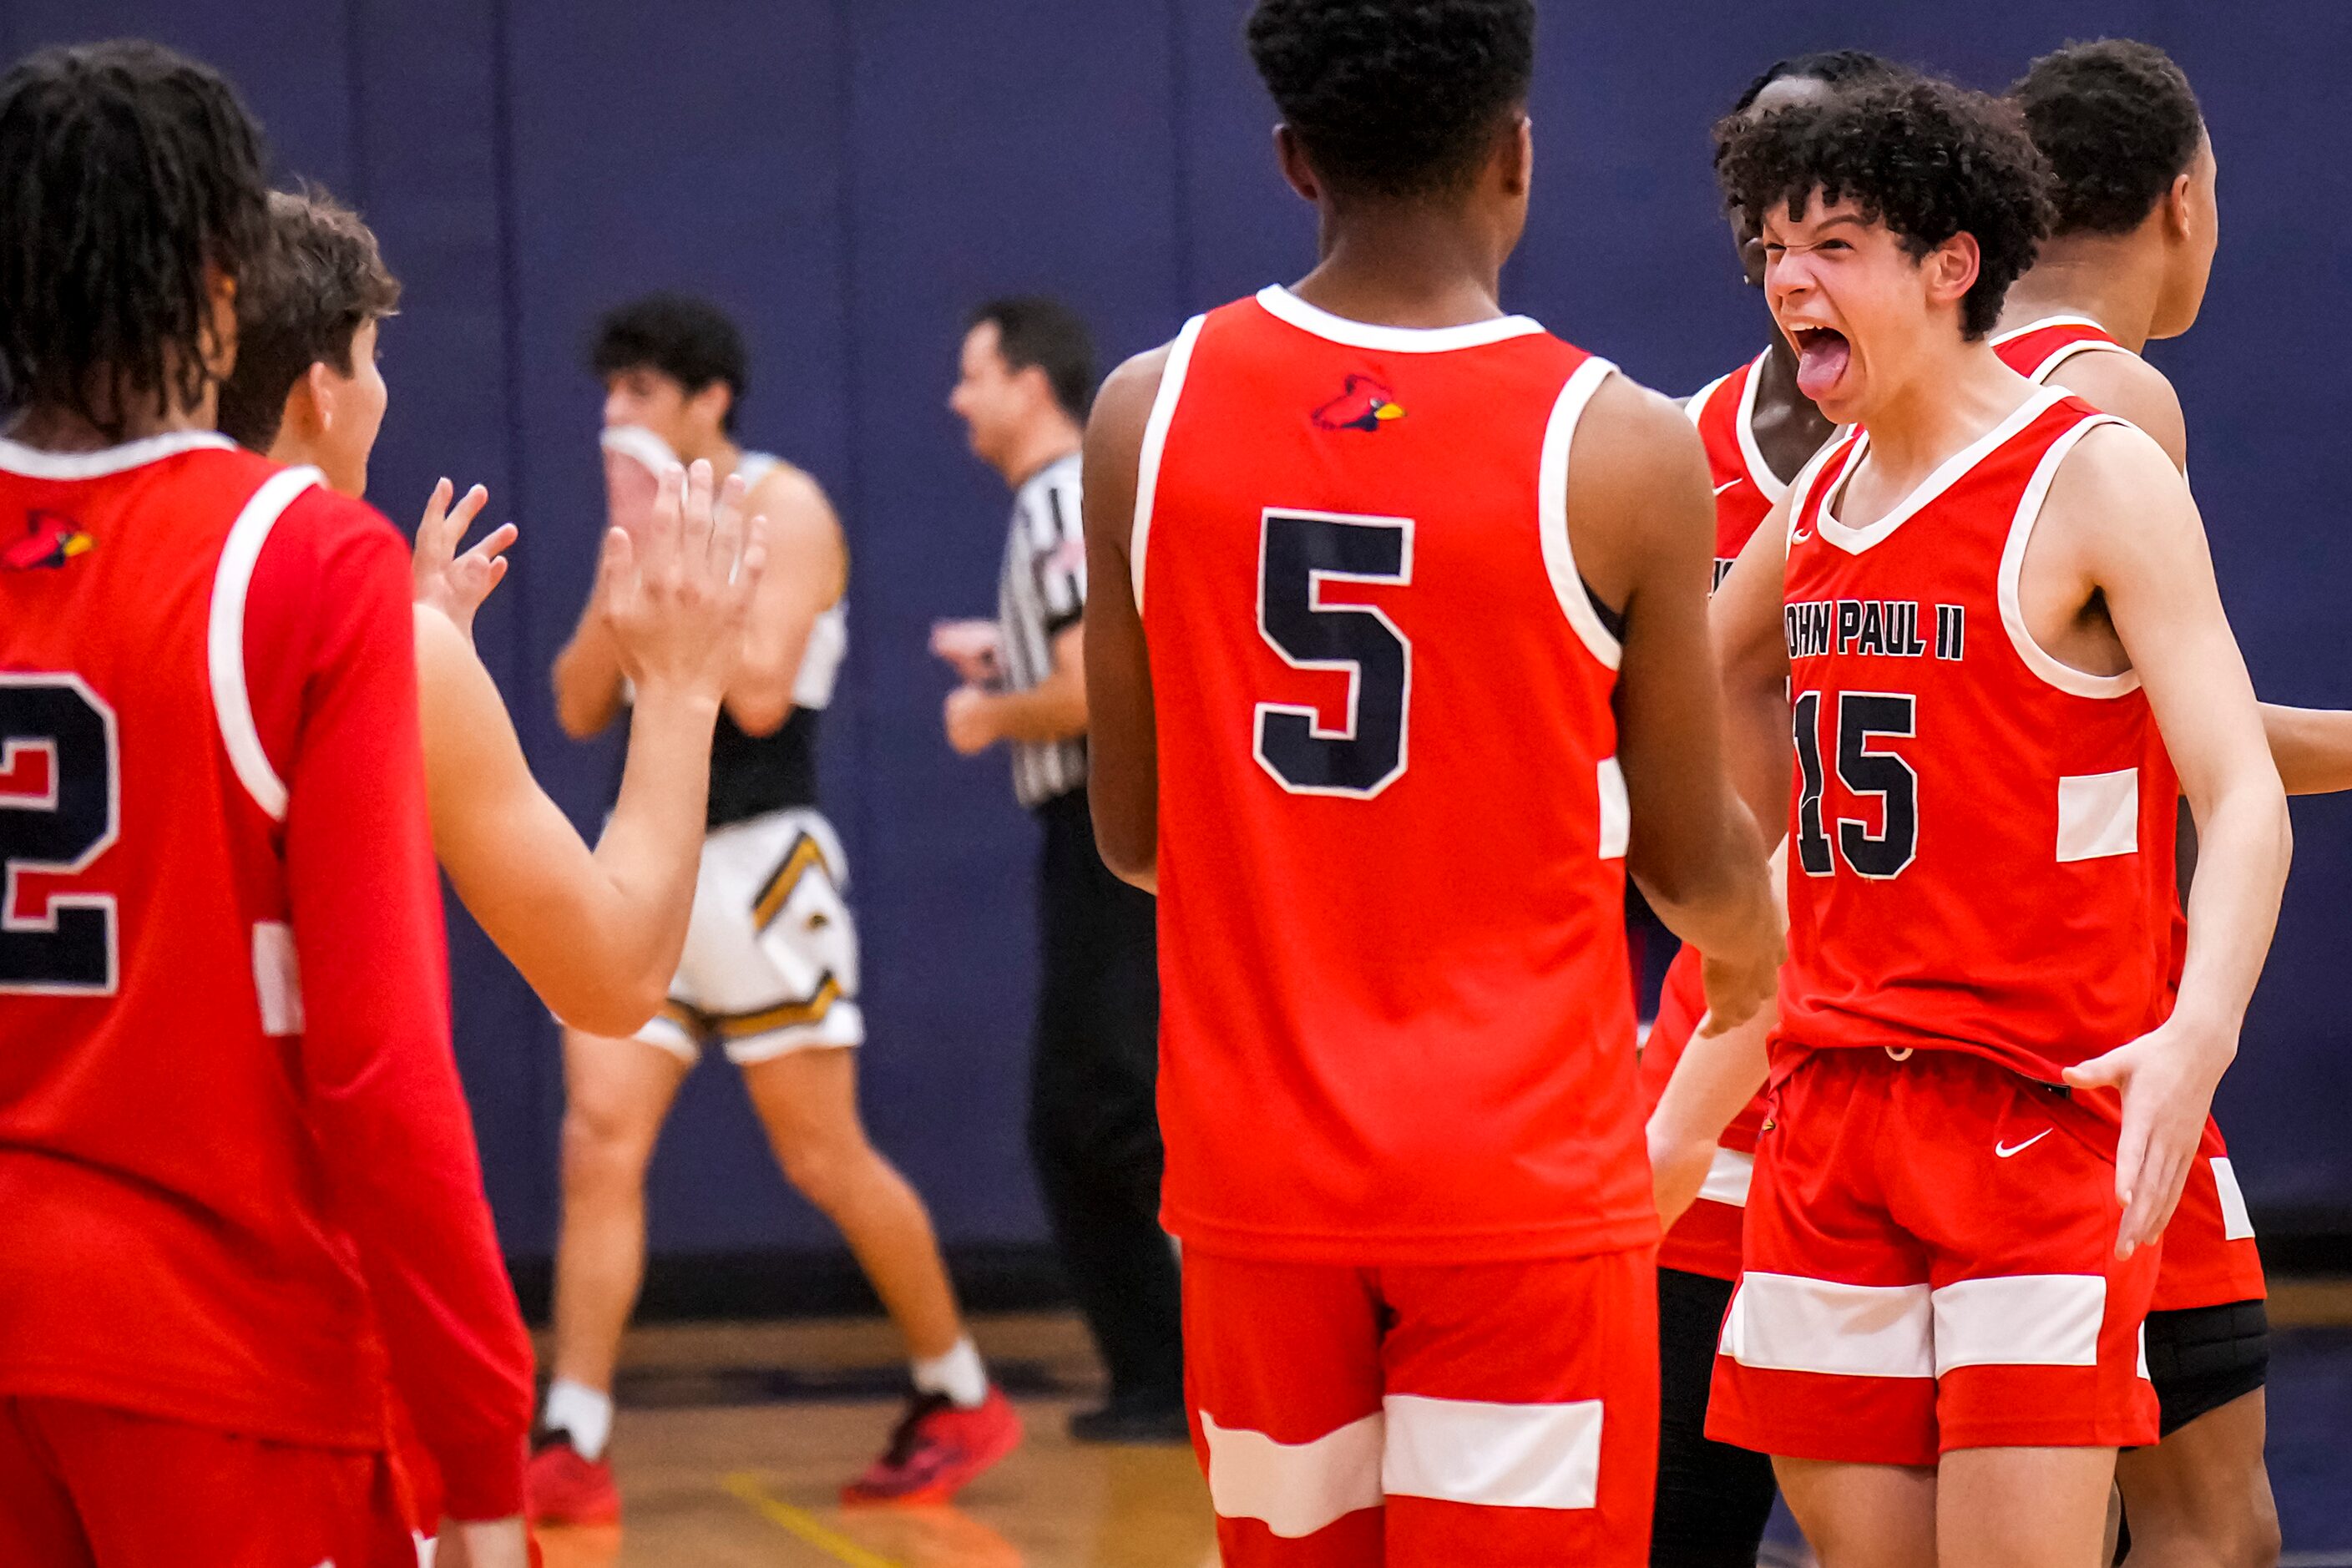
[(1293, 1489), (1494, 1455), (1728, 1177), (2019, 1319), (1784, 1323)]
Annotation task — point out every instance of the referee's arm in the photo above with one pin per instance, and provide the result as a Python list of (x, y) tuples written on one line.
[(1123, 783)]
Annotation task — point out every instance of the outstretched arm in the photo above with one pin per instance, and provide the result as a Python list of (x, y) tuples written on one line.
[(2125, 529), (1123, 746), (597, 935), (1642, 529)]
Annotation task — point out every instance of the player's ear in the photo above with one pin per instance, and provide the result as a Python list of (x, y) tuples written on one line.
[(1516, 155), (1295, 169), (712, 403), (318, 388), (2180, 211), (220, 330), (1950, 270)]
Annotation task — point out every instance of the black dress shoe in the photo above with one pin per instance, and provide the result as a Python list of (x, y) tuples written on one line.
[(1151, 1424)]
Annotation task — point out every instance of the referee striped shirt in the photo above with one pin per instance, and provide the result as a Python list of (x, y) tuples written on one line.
[(1041, 593)]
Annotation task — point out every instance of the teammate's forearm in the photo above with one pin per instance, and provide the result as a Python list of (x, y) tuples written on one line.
[(2245, 844), (2312, 746), (1053, 709), (649, 855), (1725, 905), (1716, 1074)]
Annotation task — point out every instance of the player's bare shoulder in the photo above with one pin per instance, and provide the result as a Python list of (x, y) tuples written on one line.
[(2129, 387), (1114, 442), (1637, 482)]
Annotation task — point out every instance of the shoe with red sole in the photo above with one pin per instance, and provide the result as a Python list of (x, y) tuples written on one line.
[(937, 1451), (561, 1488)]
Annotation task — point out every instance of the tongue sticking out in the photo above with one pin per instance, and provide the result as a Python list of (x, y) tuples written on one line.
[(1821, 359)]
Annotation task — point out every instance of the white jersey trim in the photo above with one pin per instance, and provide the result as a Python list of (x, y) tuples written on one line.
[(1551, 511), (1287, 306), (2038, 659), (1800, 492), (828, 640), (225, 636), (2237, 1224), (2041, 373), (1854, 540), (1759, 472), (1155, 444), (1730, 1176), (635, 441), (1696, 404), (32, 463)]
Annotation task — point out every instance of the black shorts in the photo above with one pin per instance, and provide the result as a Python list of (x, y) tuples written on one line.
[(1713, 1499), (2201, 1358)]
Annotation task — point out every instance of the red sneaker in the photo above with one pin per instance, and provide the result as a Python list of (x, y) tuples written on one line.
[(561, 1488), (938, 1450)]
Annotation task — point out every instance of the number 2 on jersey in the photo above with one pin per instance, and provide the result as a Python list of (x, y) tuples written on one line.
[(59, 811), (1298, 552)]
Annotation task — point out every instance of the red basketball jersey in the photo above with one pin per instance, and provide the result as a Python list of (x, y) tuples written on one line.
[(234, 1159), (1980, 837), (1395, 1019), (2038, 348), (1745, 488)]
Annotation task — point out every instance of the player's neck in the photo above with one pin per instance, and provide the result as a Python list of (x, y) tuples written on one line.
[(1788, 427), (1039, 447), (52, 429), (2114, 279), (1402, 266), (1944, 402)]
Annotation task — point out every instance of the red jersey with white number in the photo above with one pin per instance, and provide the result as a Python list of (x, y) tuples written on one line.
[(1395, 1023), (234, 1163), (2210, 1255), (1705, 1240), (1980, 837)]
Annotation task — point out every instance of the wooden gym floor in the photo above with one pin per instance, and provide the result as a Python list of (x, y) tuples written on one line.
[(734, 1439)]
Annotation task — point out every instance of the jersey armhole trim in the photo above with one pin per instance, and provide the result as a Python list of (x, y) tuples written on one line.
[(1801, 489), (1155, 444), (224, 636), (2064, 351), (2065, 677), (1551, 511), (1695, 405)]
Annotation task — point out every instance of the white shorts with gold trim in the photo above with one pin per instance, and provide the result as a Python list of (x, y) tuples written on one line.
[(771, 960)]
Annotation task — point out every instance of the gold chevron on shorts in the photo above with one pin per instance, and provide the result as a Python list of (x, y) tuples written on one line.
[(783, 1016), (777, 891)]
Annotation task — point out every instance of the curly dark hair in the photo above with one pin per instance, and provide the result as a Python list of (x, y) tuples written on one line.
[(1395, 98), (686, 338), (1833, 67), (2117, 124), (128, 174), (1928, 159), (302, 303)]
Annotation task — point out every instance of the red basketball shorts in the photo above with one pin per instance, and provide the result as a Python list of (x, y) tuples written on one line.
[(1930, 1265), (2210, 1258), (82, 1486), (1499, 1414)]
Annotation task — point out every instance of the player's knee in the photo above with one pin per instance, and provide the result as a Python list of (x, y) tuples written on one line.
[(829, 1171), (600, 1150)]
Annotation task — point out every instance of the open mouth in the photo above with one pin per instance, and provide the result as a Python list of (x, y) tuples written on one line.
[(1823, 355)]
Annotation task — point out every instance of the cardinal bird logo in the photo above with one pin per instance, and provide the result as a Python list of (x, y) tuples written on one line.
[(49, 541), (1363, 404)]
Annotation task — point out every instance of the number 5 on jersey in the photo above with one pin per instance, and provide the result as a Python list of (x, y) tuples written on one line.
[(1298, 552)]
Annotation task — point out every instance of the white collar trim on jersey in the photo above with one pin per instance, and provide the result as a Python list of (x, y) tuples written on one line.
[(1854, 540), (1759, 472), (2048, 321), (1281, 302), (32, 463)]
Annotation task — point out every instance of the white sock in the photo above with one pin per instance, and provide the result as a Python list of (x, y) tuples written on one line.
[(959, 1374), (583, 1412)]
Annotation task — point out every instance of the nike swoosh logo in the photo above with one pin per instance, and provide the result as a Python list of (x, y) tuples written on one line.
[(1724, 486), (2003, 1151), (1802, 536)]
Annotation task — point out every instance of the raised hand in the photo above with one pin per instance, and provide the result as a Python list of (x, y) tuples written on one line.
[(452, 584), (969, 646), (634, 459), (677, 592)]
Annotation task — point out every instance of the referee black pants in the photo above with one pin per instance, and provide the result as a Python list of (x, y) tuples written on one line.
[(1094, 1121)]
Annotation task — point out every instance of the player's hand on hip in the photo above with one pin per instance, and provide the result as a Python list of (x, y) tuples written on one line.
[(452, 584), (494, 1543), (970, 646), (971, 724), (677, 596), (2166, 1077)]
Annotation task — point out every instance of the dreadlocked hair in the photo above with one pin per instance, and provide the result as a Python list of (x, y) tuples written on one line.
[(128, 174)]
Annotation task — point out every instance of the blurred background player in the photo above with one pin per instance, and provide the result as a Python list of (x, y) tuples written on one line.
[(1992, 597), (597, 934), (1027, 378), (1715, 1500), (1404, 1132), (771, 962), (238, 1168)]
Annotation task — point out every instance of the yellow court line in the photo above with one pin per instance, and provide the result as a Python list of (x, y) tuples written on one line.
[(800, 1522)]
